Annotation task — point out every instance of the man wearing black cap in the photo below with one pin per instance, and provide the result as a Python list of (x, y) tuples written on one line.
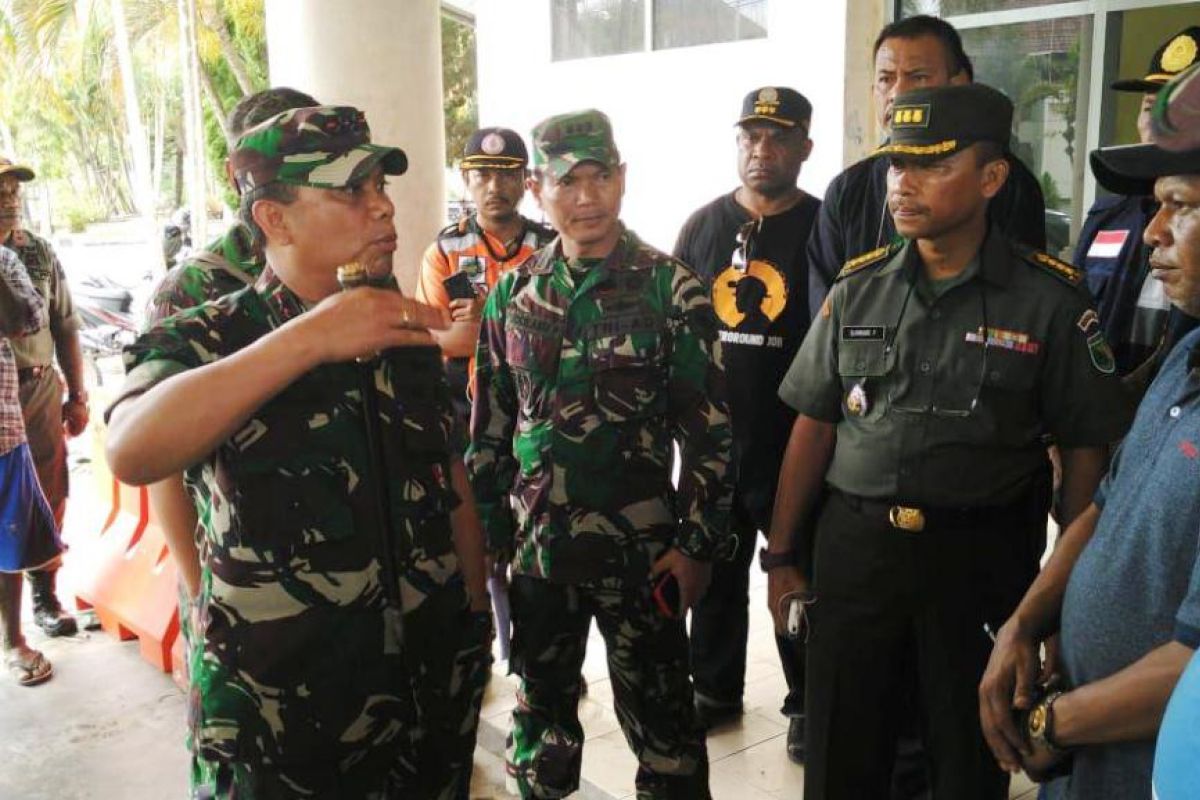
[(911, 53), (1123, 584), (480, 247), (1136, 317), (49, 419), (924, 388), (748, 245)]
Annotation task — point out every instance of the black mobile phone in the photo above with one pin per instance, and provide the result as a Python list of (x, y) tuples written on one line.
[(666, 595), (459, 286)]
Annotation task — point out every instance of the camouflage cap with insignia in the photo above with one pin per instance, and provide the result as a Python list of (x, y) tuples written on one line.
[(778, 104), (1171, 58), (21, 173), (494, 148), (938, 122), (565, 140), (326, 147)]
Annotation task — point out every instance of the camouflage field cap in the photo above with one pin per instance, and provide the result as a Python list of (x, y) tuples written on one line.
[(326, 147), (7, 167), (938, 122), (1171, 58), (563, 141)]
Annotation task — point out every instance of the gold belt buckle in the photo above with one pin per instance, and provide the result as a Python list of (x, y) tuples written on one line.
[(907, 519)]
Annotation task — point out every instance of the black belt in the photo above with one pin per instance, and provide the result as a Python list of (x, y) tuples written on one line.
[(916, 518), (30, 374)]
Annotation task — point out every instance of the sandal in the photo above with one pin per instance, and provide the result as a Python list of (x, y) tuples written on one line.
[(29, 667)]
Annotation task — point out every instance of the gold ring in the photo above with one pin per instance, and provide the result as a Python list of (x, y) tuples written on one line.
[(405, 317)]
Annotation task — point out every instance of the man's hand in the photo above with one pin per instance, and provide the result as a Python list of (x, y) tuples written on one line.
[(364, 321), (464, 310), (782, 582), (1008, 683), (693, 576), (75, 416), (1039, 763)]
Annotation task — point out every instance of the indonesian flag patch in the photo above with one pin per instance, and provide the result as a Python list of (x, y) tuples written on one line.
[(1107, 244)]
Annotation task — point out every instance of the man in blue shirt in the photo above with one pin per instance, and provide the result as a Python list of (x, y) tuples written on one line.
[(1123, 585)]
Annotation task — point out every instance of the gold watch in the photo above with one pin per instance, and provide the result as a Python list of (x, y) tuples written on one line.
[(1040, 724)]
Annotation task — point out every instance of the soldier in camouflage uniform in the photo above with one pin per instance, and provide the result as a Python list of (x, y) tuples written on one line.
[(301, 687), (229, 263), (594, 358)]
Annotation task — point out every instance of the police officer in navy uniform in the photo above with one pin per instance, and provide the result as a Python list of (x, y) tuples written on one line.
[(925, 389), (1140, 323)]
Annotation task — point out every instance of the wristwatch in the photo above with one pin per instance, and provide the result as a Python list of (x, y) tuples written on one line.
[(768, 561), (77, 397), (1040, 725)]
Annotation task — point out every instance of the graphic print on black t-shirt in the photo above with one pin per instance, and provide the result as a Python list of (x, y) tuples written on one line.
[(748, 301)]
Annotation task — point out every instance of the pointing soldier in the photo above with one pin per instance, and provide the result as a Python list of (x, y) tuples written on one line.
[(595, 357), (925, 388), (301, 687)]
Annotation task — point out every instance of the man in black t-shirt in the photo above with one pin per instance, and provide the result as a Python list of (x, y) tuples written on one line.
[(911, 53), (748, 245)]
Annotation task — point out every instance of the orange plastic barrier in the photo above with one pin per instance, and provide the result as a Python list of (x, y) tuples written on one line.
[(124, 571)]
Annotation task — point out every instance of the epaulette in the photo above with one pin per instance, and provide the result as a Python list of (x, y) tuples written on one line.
[(1056, 267), (867, 259)]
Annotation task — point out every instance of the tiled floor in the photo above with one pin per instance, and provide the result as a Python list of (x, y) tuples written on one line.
[(748, 759)]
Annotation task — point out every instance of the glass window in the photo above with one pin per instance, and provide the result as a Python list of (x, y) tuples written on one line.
[(683, 23), (948, 8), (1043, 66), (586, 28)]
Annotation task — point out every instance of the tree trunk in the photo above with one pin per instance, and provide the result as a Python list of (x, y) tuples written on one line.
[(189, 61), (214, 20), (214, 100), (143, 189)]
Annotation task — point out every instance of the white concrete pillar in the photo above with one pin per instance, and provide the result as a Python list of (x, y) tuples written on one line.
[(384, 57)]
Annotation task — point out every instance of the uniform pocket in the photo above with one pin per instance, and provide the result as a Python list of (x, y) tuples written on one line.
[(284, 508), (629, 376), (863, 358)]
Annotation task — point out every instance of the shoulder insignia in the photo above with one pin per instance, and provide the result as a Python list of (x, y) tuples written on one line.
[(1056, 267), (867, 259)]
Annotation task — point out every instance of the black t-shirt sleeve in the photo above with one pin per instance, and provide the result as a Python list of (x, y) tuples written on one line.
[(826, 246), (1019, 210)]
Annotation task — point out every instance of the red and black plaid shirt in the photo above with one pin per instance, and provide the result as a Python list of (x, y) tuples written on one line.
[(21, 310)]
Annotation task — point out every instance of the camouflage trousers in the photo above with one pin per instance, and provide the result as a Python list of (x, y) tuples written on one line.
[(448, 656), (652, 691)]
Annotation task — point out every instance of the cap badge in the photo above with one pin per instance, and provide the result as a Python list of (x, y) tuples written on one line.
[(911, 116), (768, 95), (1179, 54), (492, 144)]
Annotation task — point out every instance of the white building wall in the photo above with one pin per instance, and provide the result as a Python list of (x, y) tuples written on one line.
[(672, 110)]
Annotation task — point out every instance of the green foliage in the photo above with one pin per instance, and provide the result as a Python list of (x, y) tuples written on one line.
[(459, 86), (1053, 195)]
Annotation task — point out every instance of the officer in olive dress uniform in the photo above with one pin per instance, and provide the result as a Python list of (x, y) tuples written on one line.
[(926, 388)]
